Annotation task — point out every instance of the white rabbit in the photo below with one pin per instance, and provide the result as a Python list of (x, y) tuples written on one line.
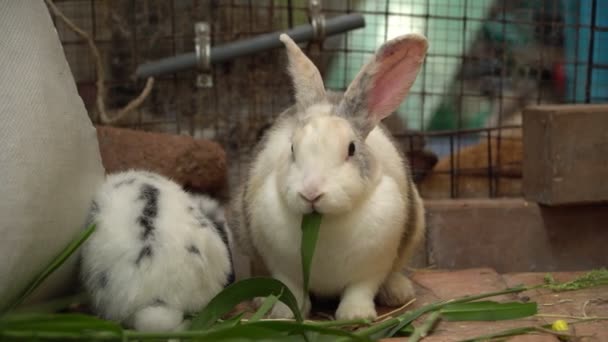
[(156, 254), (328, 153)]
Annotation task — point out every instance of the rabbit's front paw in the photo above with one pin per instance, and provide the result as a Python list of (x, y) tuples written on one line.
[(356, 308)]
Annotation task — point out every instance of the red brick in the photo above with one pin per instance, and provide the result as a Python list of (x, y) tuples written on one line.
[(592, 331), (454, 284)]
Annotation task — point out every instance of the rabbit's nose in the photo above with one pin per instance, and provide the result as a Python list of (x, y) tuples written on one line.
[(311, 197)]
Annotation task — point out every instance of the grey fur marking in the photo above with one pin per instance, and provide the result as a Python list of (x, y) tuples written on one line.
[(145, 252), (203, 221), (220, 228), (94, 208), (93, 212), (193, 249), (149, 194), (353, 106), (158, 302), (412, 219), (362, 158)]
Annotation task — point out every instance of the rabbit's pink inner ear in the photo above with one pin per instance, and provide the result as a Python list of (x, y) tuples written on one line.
[(396, 67)]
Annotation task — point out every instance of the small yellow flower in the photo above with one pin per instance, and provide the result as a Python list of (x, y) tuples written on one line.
[(560, 325)]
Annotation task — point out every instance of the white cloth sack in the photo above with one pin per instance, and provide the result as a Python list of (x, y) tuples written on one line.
[(50, 164)]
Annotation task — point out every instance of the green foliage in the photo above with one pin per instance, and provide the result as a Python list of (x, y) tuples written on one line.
[(241, 291), (57, 325), (504, 333), (424, 329), (487, 311), (269, 302), (310, 232), (591, 279)]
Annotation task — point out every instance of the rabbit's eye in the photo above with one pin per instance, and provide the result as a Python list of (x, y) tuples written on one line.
[(351, 149)]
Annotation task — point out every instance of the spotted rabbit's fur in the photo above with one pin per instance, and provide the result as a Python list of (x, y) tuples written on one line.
[(157, 252)]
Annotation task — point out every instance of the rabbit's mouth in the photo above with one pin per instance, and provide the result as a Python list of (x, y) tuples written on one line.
[(322, 207), (306, 207), (311, 208), (315, 209), (322, 202)]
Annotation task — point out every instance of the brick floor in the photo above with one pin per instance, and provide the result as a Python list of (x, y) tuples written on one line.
[(434, 285)]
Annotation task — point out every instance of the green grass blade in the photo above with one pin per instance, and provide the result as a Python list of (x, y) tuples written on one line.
[(403, 321), (255, 331), (244, 332), (61, 326), (296, 328), (408, 330), (340, 323), (593, 278), (505, 333), (392, 326), (229, 323), (310, 233), (52, 266), (268, 303), (488, 311), (239, 292), (426, 327)]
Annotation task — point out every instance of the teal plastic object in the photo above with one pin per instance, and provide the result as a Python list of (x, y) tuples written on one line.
[(586, 51)]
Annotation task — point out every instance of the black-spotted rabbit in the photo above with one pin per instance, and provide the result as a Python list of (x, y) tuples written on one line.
[(327, 153), (157, 252)]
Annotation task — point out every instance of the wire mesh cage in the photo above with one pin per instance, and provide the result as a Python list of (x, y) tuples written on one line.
[(460, 125)]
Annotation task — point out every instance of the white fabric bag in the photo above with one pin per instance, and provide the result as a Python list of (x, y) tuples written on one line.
[(50, 164)]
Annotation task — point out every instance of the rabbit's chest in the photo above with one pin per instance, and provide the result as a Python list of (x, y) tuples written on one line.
[(351, 251), (349, 248)]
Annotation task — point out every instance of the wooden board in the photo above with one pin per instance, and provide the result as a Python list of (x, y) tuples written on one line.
[(566, 154)]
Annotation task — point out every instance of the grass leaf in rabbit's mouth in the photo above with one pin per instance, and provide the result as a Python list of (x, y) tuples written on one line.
[(310, 232)]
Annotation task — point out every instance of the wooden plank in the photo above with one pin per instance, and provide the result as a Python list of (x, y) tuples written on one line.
[(565, 154)]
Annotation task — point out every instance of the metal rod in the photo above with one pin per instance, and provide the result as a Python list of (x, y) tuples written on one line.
[(589, 80), (250, 46), (490, 171), (452, 176), (459, 132)]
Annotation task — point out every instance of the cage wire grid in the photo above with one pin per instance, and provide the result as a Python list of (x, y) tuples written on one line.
[(487, 60)]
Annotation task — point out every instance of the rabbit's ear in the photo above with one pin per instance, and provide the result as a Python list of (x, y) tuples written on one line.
[(306, 78), (383, 82)]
